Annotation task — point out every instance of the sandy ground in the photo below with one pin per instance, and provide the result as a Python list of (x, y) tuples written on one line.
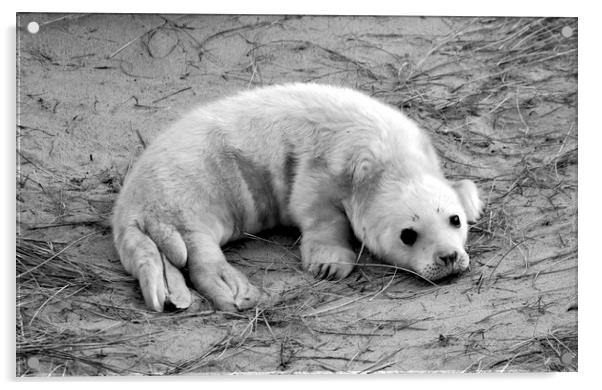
[(497, 95)]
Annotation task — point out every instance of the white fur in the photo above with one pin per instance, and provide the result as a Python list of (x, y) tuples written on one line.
[(330, 160)]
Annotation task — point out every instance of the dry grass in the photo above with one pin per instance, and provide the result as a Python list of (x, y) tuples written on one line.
[(495, 89)]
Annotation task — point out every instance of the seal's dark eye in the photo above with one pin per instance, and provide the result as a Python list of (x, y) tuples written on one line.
[(454, 220), (408, 236)]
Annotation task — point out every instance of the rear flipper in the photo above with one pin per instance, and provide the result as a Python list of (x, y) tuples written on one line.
[(210, 273), (178, 295), (161, 282)]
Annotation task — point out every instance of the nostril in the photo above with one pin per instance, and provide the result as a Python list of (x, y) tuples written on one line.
[(449, 258)]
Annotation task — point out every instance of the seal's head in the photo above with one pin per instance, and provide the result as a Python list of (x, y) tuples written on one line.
[(421, 224)]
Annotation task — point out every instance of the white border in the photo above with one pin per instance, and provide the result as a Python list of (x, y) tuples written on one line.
[(317, 7)]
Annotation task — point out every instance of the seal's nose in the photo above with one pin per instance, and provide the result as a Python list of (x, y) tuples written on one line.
[(449, 258)]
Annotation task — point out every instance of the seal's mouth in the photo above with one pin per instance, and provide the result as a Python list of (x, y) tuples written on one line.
[(449, 278), (437, 271)]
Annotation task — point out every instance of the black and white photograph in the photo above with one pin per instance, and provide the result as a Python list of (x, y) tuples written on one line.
[(216, 194)]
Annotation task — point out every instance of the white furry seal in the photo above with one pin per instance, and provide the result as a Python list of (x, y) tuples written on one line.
[(330, 160)]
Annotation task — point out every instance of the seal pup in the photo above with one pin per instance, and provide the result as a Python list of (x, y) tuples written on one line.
[(329, 160)]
